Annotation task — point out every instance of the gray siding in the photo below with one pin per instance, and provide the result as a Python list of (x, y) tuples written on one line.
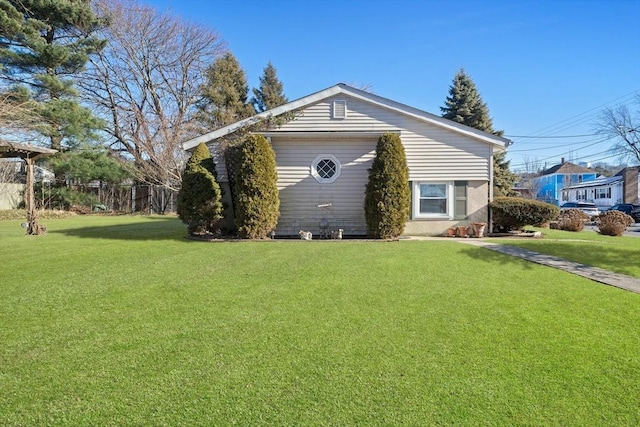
[(218, 158), (301, 194), (433, 153)]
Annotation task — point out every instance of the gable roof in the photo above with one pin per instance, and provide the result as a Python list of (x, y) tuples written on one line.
[(595, 183), (342, 89), (567, 167)]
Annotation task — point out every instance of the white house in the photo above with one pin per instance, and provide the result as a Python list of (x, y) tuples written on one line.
[(604, 192), (324, 151)]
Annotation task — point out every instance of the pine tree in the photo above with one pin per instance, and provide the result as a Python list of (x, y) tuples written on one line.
[(387, 194), (257, 204), (270, 94), (43, 46), (78, 170), (464, 105), (503, 178), (200, 198), (225, 93)]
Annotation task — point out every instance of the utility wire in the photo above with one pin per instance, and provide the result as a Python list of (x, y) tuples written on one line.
[(551, 136), (569, 152), (548, 129), (576, 144)]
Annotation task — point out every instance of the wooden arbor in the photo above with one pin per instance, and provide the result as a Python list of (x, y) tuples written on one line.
[(29, 153)]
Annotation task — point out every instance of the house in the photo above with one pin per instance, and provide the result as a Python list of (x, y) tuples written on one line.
[(326, 146), (12, 180), (548, 186), (604, 192), (623, 187), (630, 184)]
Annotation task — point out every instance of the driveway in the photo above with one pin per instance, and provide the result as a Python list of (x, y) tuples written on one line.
[(632, 231)]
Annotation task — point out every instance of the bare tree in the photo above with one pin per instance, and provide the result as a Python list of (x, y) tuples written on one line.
[(146, 82), (528, 179), (16, 116), (623, 124), (17, 119), (8, 178)]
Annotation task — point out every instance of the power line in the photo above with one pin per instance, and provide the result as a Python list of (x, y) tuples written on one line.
[(571, 151), (549, 128), (551, 136), (576, 144)]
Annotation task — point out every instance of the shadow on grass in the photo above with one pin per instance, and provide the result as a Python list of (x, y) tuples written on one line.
[(615, 259), (494, 258), (152, 228)]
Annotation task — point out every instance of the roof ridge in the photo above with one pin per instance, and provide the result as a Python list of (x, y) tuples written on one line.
[(347, 90)]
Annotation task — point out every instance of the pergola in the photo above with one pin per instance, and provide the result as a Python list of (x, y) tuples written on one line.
[(29, 153)]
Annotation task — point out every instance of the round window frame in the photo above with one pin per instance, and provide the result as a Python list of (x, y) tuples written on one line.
[(314, 170)]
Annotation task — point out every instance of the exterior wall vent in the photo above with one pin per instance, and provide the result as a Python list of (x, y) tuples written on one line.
[(340, 109)]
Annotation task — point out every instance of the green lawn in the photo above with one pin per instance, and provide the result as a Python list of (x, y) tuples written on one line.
[(620, 254), (120, 321)]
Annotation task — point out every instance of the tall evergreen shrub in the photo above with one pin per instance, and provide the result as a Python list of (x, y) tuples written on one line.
[(257, 205), (200, 197), (387, 195)]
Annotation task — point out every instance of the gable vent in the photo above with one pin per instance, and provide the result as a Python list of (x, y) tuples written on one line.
[(339, 109)]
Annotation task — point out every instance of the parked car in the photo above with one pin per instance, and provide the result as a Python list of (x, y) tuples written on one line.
[(635, 214), (589, 208), (624, 207)]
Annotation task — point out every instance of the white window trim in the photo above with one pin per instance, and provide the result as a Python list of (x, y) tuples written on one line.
[(314, 171), (450, 201)]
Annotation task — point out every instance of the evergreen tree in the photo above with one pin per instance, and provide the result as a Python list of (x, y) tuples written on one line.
[(225, 93), (200, 198), (387, 194), (270, 94), (464, 105), (43, 46), (78, 170), (503, 178), (257, 204), (87, 164)]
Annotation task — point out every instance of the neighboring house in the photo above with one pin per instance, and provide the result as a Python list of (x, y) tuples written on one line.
[(631, 184), (624, 187), (550, 183), (603, 192), (324, 151), (12, 181)]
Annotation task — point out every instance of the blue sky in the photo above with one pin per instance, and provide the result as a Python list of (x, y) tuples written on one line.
[(544, 68)]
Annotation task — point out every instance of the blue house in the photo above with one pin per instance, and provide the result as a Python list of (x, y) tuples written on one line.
[(549, 185)]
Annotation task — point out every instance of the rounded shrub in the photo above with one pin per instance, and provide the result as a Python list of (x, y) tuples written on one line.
[(200, 197), (572, 220), (513, 213), (613, 223), (257, 205), (387, 195)]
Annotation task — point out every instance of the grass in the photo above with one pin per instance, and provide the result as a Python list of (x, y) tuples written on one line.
[(619, 254), (121, 321)]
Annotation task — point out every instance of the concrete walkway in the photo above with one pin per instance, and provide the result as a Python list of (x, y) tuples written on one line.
[(594, 273)]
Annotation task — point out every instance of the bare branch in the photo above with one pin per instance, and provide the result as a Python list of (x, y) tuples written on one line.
[(623, 124), (146, 82)]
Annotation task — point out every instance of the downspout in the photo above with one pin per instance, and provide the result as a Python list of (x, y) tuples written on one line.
[(489, 219)]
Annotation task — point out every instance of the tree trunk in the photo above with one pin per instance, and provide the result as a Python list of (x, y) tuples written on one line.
[(33, 228)]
